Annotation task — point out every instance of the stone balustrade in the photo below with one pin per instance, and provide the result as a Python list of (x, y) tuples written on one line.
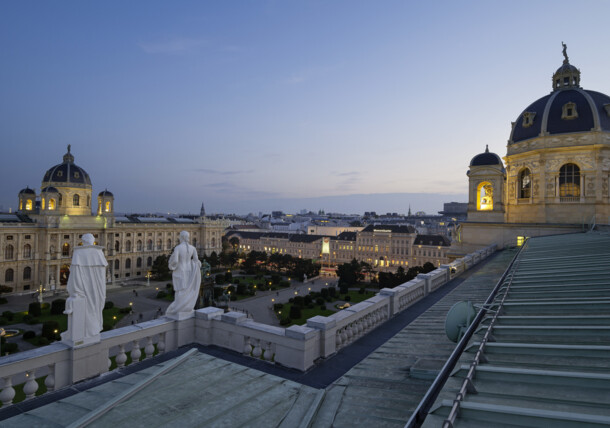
[(296, 347)]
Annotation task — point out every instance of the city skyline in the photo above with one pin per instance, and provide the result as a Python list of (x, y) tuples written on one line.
[(243, 104)]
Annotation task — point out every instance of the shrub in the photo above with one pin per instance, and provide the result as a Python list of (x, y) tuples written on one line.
[(168, 285), (242, 289), (48, 329), (237, 282), (10, 348), (332, 291), (299, 301), (228, 277), (343, 288), (361, 291), (347, 298), (109, 305), (45, 305), (308, 300), (311, 306), (29, 319), (295, 312), (58, 306), (34, 309), (29, 334), (291, 300), (277, 306), (324, 292), (3, 321), (42, 341), (275, 279), (161, 295), (284, 283), (285, 320), (319, 301), (125, 310), (220, 279)]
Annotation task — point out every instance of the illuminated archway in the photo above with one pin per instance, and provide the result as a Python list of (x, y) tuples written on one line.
[(64, 273), (485, 200)]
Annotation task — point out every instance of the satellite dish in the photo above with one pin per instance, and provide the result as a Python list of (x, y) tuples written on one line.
[(458, 319)]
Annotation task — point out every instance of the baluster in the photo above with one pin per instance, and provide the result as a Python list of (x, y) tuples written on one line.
[(338, 339), (31, 386), (350, 333), (269, 352), (264, 354), (256, 352), (344, 335), (136, 353), (161, 344), (247, 346), (8, 393), (149, 350), (121, 357), (49, 382)]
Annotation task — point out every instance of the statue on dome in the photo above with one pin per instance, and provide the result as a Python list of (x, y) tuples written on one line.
[(186, 278), (87, 290), (565, 53)]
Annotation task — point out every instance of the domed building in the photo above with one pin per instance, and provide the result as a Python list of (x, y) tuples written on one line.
[(554, 178), (36, 243)]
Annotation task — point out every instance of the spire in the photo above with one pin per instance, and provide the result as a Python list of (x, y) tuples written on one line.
[(202, 211), (409, 210), (486, 148)]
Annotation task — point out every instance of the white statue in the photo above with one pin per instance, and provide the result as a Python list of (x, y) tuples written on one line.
[(87, 290), (186, 277)]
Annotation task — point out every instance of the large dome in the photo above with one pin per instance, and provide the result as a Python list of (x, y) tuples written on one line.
[(66, 173), (568, 109)]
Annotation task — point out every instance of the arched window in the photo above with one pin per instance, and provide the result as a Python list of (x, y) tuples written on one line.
[(149, 245), (27, 251), (9, 252), (107, 207), (128, 246), (149, 261), (139, 245), (169, 244), (485, 200), (117, 265), (65, 249), (42, 203), (128, 264), (76, 200), (29, 205), (139, 262), (51, 204), (27, 273), (569, 180), (213, 242), (8, 275), (525, 184), (159, 244), (117, 246)]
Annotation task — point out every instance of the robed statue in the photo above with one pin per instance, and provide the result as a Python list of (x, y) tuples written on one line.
[(87, 293), (186, 277)]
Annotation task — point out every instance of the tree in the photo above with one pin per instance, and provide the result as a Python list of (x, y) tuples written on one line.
[(160, 268), (234, 241), (350, 273), (428, 267), (213, 259)]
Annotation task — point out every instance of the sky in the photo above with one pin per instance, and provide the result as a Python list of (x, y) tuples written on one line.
[(254, 106)]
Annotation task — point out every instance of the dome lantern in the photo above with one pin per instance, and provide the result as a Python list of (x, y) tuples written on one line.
[(567, 76)]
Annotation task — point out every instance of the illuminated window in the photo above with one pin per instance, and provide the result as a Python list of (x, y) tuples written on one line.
[(27, 273), (525, 184), (20, 205), (28, 205), (42, 203), (51, 204), (65, 249), (76, 200), (485, 200), (107, 207), (569, 180), (520, 240)]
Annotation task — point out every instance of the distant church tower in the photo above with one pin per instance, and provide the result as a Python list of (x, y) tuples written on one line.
[(202, 211)]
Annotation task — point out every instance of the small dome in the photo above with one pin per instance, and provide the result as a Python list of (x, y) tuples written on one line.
[(67, 172), (106, 193), (486, 158), (27, 191), (50, 189)]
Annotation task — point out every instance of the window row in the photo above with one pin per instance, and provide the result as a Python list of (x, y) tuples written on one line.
[(9, 252), (569, 182), (9, 274)]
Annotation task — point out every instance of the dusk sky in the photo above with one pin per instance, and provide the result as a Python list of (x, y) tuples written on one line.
[(277, 105)]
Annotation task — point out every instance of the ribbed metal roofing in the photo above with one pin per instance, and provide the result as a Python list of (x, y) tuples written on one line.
[(543, 357)]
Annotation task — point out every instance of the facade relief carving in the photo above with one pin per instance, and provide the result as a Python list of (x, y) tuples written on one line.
[(535, 187), (605, 186)]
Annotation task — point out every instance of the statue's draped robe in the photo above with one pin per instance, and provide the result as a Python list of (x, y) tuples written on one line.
[(186, 278), (88, 280)]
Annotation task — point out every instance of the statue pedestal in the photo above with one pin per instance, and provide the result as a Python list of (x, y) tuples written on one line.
[(75, 335), (179, 316)]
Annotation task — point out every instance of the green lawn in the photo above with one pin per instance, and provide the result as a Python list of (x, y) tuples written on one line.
[(306, 313), (355, 296)]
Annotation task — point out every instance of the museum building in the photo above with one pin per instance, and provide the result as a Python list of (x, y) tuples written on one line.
[(38, 240), (554, 178)]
